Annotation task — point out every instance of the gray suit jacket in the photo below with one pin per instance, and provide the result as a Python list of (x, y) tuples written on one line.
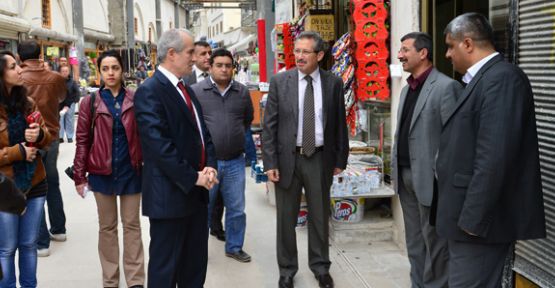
[(190, 79), (279, 135), (437, 98)]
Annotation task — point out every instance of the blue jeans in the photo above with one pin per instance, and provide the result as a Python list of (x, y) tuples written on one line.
[(66, 123), (250, 148), (231, 174), (54, 199), (20, 233)]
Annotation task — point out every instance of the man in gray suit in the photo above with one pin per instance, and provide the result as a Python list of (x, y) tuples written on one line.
[(201, 58), (304, 144), (424, 105)]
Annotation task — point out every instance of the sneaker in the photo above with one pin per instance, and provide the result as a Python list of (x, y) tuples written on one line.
[(69, 140), (43, 252), (240, 256), (58, 237), (61, 140)]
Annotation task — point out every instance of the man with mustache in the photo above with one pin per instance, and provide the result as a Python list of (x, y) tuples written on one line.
[(425, 102), (304, 143)]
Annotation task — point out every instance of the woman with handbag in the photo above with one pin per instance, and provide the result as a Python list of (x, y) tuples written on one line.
[(108, 149), (20, 162)]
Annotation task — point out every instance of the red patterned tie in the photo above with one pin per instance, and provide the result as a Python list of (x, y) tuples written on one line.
[(190, 106)]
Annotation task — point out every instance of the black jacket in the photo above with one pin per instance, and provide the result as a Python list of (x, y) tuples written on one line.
[(226, 117), (488, 164), (72, 93)]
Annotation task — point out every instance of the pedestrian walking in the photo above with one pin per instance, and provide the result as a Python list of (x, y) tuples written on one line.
[(108, 149), (20, 162), (67, 107), (304, 143)]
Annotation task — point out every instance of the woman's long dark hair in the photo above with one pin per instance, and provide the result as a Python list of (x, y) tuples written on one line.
[(16, 100)]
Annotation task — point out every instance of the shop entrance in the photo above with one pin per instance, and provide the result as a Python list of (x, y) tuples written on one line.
[(436, 14)]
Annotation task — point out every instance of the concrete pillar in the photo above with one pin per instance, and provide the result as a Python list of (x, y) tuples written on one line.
[(77, 7)]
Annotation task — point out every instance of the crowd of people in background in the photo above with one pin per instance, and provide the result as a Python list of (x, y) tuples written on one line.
[(179, 144)]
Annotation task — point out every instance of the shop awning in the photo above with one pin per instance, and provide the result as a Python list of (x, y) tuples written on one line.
[(97, 35), (51, 34), (11, 26), (242, 45)]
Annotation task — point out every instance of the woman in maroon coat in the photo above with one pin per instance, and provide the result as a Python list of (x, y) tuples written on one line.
[(108, 149)]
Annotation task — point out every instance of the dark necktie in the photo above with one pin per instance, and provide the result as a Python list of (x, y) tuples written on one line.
[(189, 103), (204, 74), (309, 130)]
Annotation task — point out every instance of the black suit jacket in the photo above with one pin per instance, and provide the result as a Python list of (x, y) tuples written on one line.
[(279, 136), (488, 164), (171, 150)]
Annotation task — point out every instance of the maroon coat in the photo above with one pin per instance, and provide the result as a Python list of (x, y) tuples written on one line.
[(97, 158)]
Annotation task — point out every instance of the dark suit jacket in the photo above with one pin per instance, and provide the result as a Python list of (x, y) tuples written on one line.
[(190, 79), (488, 164), (281, 113), (171, 149)]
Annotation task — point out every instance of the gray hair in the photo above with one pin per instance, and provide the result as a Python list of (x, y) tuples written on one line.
[(319, 45), (171, 39), (472, 25)]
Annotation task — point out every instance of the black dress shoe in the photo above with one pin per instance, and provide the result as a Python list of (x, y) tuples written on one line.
[(137, 286), (69, 140), (219, 234), (325, 281), (285, 282)]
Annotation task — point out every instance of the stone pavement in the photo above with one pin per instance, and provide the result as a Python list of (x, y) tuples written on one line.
[(75, 263)]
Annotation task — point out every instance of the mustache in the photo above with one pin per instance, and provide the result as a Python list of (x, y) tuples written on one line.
[(300, 61)]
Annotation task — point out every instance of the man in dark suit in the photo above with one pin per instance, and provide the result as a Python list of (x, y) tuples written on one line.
[(179, 167), (201, 67), (304, 144), (488, 172), (424, 105)]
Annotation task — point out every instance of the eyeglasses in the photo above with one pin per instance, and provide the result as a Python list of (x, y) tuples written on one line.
[(303, 52)]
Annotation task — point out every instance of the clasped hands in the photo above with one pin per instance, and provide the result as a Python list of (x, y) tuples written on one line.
[(207, 178)]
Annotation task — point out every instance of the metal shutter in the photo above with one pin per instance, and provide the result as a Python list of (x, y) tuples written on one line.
[(536, 56)]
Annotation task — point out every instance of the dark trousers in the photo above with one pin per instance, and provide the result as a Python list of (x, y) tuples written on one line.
[(217, 214), (54, 200), (428, 254), (476, 265), (308, 174), (178, 251)]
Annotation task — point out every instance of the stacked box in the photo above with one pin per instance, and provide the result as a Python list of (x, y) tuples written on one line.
[(371, 50)]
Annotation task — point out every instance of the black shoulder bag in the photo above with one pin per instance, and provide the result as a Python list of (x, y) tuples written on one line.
[(69, 170)]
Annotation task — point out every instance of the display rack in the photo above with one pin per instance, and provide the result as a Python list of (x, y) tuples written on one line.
[(284, 57)]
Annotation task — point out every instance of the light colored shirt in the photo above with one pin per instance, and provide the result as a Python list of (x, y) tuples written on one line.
[(471, 72), (222, 93), (318, 112), (174, 80), (199, 73)]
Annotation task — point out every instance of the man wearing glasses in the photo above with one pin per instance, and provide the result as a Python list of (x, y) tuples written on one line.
[(228, 112), (304, 144)]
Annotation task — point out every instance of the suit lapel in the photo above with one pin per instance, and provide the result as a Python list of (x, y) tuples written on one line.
[(174, 96), (470, 87), (423, 97), (293, 82), (326, 95)]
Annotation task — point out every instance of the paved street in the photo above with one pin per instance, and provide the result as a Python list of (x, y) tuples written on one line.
[(75, 263)]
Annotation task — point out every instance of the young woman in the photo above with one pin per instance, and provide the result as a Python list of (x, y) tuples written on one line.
[(108, 149), (20, 162)]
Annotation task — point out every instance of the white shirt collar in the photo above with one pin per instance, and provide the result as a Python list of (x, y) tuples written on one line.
[(173, 79), (315, 75), (471, 72), (198, 72), (216, 85)]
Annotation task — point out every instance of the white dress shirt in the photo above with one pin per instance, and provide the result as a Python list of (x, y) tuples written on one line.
[(318, 112), (198, 73), (471, 72), (174, 80), (222, 93)]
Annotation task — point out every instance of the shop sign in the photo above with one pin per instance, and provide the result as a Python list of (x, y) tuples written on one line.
[(52, 51), (323, 24)]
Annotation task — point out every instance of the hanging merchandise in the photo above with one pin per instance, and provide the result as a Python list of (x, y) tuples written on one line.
[(345, 69), (372, 52)]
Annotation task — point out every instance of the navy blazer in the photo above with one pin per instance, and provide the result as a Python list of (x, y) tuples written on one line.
[(172, 150)]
